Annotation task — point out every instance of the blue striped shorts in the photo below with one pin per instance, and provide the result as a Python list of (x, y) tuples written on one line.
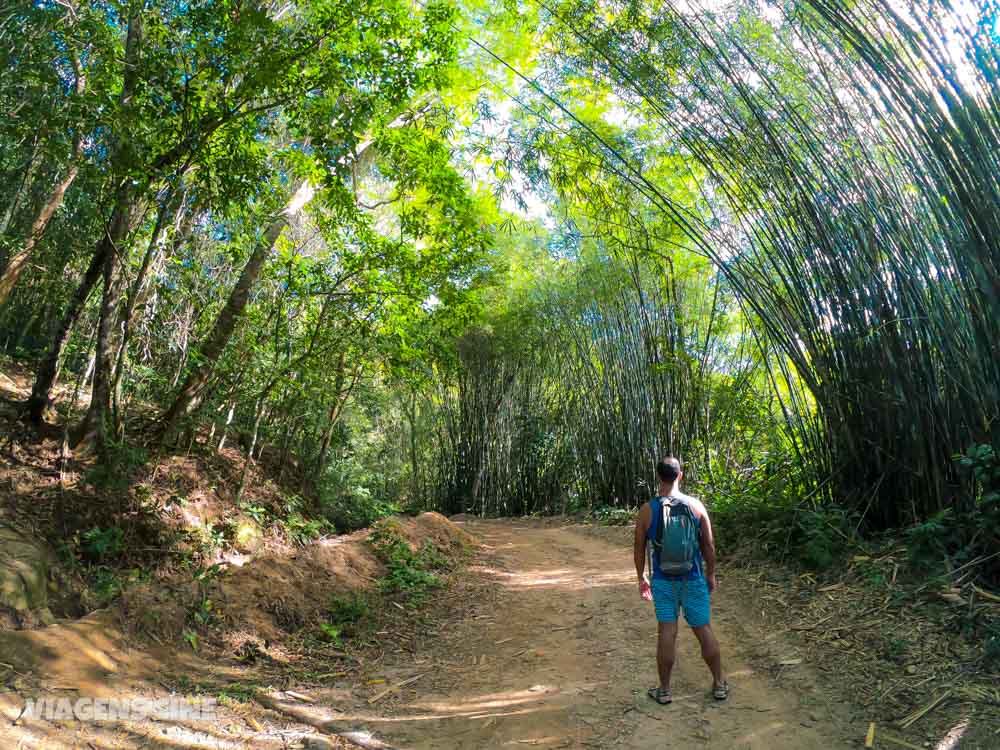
[(690, 595)]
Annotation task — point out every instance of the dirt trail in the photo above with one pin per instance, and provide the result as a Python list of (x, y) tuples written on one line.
[(563, 653), (553, 649)]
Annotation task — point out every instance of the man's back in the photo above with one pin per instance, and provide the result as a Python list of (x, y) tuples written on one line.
[(698, 513)]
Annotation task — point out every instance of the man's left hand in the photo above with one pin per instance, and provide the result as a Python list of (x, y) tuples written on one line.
[(645, 591)]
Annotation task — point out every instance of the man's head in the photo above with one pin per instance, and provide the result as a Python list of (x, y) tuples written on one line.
[(669, 470)]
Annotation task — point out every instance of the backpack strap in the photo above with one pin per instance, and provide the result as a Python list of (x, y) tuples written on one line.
[(658, 539)]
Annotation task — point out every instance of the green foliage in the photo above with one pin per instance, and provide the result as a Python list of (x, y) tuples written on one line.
[(201, 615), (102, 544), (237, 692), (991, 647), (346, 616), (303, 530), (209, 538), (982, 462), (871, 573), (105, 583), (895, 649), (817, 536), (300, 528), (349, 609), (955, 535), (810, 332), (331, 633), (610, 516), (257, 512), (768, 516), (930, 543), (115, 471), (409, 572), (348, 496)]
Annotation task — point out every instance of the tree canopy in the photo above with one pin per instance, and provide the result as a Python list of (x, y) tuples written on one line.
[(499, 257)]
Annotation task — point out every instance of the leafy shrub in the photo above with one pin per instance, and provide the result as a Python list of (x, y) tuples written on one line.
[(814, 535), (237, 692), (344, 616), (257, 512), (950, 538), (298, 526), (100, 544), (207, 539), (929, 543), (350, 496), (202, 613), (818, 536), (347, 609), (105, 584), (117, 467), (983, 464), (611, 516), (991, 647), (895, 649), (406, 571), (304, 530), (330, 633)]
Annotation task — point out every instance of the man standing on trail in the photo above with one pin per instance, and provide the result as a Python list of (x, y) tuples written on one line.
[(678, 529)]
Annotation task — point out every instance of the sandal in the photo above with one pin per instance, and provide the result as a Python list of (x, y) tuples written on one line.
[(721, 692), (661, 696)]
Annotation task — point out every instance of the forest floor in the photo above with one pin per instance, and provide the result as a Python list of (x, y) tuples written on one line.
[(542, 641)]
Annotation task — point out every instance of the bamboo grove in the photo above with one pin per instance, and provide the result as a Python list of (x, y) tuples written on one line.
[(498, 259)]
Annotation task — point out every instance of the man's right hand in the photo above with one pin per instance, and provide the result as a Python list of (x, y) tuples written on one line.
[(645, 591), (712, 584)]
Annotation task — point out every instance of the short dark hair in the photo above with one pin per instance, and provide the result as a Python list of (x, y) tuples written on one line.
[(668, 469)]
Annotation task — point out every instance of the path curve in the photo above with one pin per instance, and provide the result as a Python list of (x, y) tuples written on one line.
[(558, 651)]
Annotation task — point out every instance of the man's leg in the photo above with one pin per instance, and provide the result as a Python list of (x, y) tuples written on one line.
[(666, 647), (665, 603), (698, 613), (710, 652)]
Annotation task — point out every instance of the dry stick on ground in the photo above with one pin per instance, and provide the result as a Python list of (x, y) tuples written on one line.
[(977, 561), (921, 712), (394, 688), (870, 737), (897, 741)]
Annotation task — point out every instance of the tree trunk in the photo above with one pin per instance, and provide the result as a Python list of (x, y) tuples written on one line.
[(193, 390), (138, 292), (253, 444), (414, 464), (20, 260), (333, 417), (24, 189), (17, 263), (48, 368), (99, 416)]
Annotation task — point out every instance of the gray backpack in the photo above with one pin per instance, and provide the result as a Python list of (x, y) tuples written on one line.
[(677, 538)]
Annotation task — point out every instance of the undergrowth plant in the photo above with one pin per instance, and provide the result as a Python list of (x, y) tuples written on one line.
[(100, 544), (608, 515), (119, 462), (967, 530), (773, 513), (408, 571), (346, 615)]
